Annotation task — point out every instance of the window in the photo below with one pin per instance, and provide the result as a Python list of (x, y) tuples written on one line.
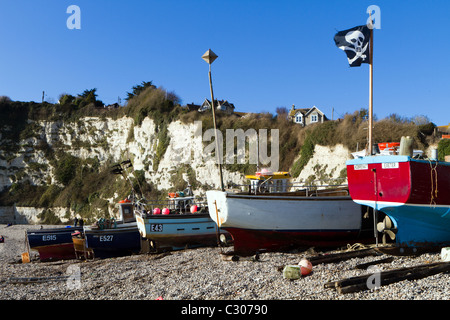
[(298, 118), (314, 117)]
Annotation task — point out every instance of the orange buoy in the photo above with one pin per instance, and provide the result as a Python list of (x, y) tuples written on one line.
[(305, 267), (194, 208), (157, 211), (165, 211)]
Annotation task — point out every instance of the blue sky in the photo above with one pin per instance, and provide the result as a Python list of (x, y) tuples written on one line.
[(271, 53)]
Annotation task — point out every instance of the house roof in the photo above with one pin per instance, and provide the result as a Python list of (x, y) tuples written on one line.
[(294, 111), (315, 108), (218, 103), (305, 111), (444, 128), (192, 106)]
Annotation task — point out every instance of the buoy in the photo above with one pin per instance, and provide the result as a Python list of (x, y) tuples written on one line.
[(194, 208), (292, 272), (157, 211), (165, 211), (305, 267)]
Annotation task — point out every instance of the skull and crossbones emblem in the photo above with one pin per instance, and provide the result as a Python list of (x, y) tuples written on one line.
[(356, 39)]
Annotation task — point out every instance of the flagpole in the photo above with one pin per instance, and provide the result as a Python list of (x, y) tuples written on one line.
[(375, 212), (371, 89)]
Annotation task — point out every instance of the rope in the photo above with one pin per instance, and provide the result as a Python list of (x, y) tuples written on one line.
[(434, 184), (356, 246)]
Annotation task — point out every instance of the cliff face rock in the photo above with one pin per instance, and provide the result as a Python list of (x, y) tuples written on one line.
[(114, 141), (87, 138), (327, 164)]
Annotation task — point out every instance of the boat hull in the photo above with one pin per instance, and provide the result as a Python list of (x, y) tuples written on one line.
[(53, 244), (413, 193), (176, 231), (113, 242), (278, 223)]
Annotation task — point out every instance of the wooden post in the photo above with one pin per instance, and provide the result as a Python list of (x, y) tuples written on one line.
[(217, 226)]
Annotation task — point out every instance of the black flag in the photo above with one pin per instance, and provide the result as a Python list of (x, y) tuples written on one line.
[(355, 43)]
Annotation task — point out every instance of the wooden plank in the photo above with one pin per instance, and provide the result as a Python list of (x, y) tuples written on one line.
[(372, 263), (359, 283), (413, 275), (341, 256), (385, 274)]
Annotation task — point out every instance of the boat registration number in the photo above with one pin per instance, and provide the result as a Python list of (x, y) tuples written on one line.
[(105, 238), (389, 165), (364, 166), (49, 237), (156, 227)]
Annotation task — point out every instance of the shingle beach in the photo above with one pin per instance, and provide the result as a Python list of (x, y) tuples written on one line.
[(198, 274)]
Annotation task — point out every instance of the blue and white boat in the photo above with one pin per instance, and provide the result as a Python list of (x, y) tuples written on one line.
[(177, 223), (114, 238)]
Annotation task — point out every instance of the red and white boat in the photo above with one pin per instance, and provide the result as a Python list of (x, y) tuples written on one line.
[(280, 220), (414, 193)]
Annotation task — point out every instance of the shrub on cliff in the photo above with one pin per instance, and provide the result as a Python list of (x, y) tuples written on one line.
[(443, 149), (152, 102), (66, 169)]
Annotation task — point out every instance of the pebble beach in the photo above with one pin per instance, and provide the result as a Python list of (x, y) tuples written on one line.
[(198, 274)]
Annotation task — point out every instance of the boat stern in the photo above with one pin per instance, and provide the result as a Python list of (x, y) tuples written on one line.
[(141, 225), (379, 180)]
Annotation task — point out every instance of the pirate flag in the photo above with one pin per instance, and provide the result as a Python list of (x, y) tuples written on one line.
[(355, 43)]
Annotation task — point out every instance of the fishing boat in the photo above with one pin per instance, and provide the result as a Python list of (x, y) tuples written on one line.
[(111, 238), (53, 243), (412, 192), (179, 222), (270, 218)]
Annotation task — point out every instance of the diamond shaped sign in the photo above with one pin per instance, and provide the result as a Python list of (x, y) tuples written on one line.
[(209, 56)]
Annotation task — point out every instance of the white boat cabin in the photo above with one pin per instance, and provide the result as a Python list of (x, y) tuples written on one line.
[(126, 211)]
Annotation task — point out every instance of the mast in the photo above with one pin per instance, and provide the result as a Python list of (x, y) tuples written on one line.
[(218, 151), (209, 57)]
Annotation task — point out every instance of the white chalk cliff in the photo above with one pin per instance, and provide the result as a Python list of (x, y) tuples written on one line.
[(116, 140)]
